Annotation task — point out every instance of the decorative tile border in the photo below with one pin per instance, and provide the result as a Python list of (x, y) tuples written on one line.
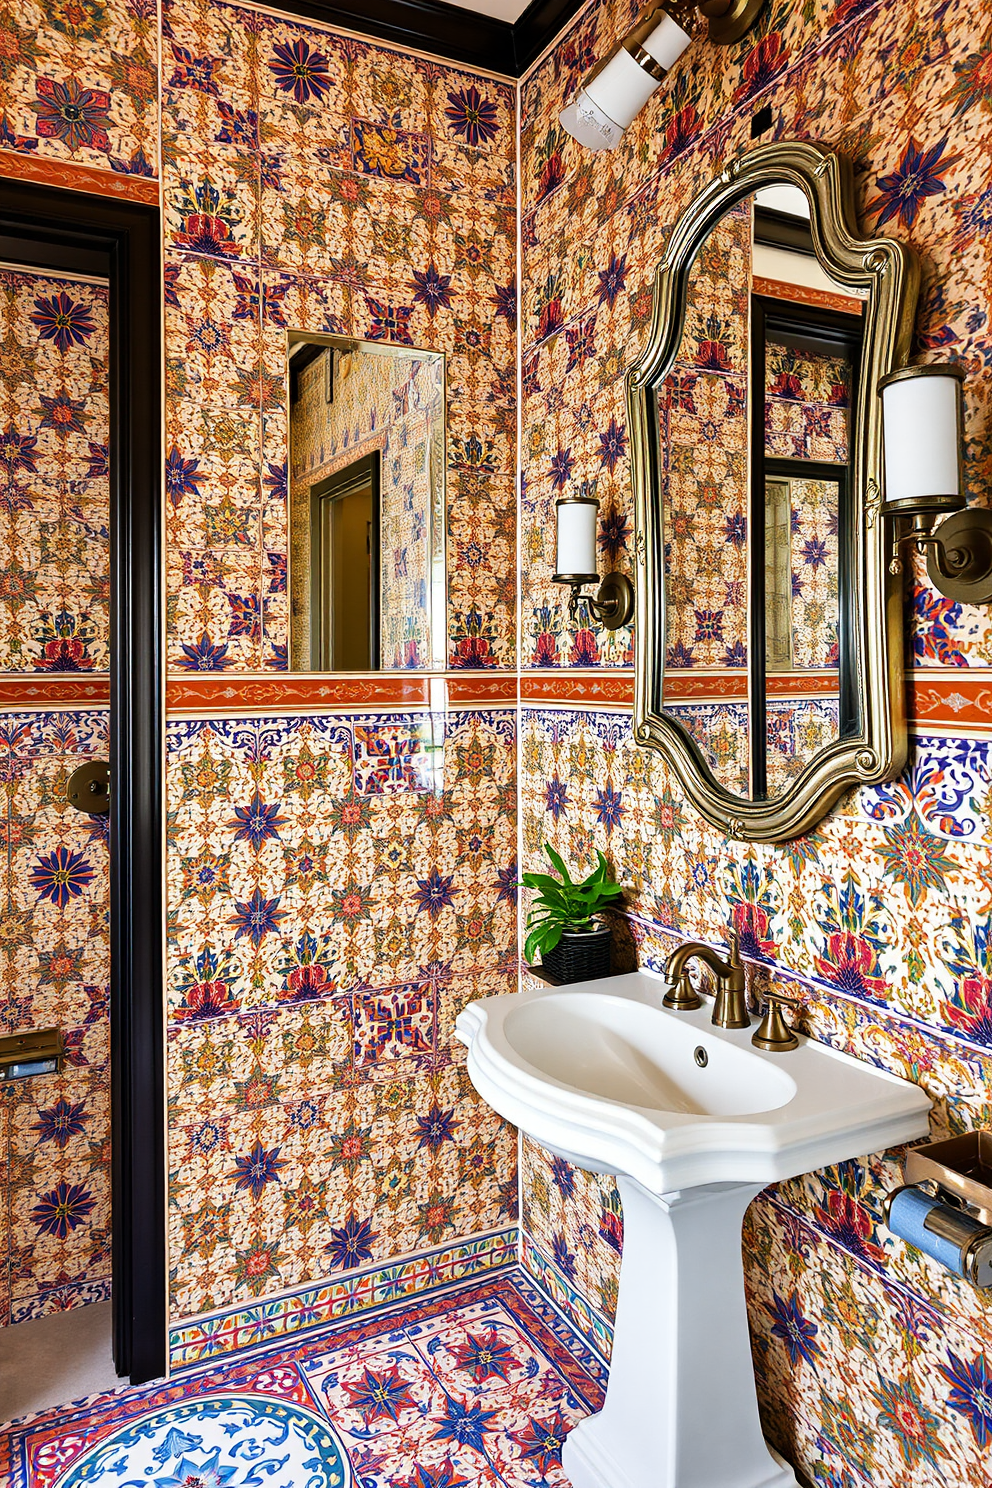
[(480, 687), (60, 1299), (804, 294), (570, 685), (49, 172), (594, 1328), (248, 692), (958, 701), (46, 692), (311, 1308)]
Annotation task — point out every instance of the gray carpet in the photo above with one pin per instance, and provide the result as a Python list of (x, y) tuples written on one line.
[(52, 1360)]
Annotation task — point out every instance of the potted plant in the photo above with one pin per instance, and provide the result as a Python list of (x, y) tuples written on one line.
[(562, 924)]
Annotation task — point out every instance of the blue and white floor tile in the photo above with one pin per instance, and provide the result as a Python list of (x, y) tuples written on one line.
[(476, 1386)]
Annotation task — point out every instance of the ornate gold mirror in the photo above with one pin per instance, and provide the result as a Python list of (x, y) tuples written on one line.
[(367, 504), (769, 629)]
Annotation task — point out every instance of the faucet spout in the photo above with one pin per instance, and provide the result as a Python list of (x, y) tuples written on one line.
[(730, 1006)]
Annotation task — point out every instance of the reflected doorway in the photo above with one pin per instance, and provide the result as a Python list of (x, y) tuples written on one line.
[(341, 633)]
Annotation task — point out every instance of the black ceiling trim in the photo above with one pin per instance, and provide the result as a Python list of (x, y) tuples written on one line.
[(447, 30), (538, 26)]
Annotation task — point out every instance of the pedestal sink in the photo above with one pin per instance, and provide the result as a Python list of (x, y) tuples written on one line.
[(695, 1122)]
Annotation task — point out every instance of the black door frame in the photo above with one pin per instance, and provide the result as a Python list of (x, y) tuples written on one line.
[(128, 237)]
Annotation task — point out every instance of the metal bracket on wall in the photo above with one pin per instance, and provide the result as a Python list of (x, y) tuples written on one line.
[(88, 788), (38, 1052)]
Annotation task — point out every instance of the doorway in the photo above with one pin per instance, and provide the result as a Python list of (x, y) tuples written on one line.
[(80, 686), (344, 579)]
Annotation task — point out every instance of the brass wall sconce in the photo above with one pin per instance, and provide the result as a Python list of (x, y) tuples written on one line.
[(575, 564), (613, 94), (923, 415)]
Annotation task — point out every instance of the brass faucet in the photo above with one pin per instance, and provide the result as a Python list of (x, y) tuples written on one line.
[(730, 1007)]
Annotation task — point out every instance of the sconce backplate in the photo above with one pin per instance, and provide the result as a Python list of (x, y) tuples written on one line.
[(737, 19), (968, 578), (616, 596)]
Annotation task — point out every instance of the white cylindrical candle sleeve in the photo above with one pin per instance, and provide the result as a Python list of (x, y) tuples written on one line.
[(576, 546), (614, 96), (622, 88), (667, 42), (922, 437)]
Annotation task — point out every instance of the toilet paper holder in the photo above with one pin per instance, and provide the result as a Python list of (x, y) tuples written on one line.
[(961, 1168), (945, 1206)]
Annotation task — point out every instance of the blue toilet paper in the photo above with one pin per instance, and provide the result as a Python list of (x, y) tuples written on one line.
[(908, 1212)]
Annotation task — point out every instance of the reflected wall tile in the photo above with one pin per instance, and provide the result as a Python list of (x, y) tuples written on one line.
[(84, 92)]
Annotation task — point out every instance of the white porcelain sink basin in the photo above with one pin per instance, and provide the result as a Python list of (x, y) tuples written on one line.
[(694, 1121), (611, 1080), (636, 1055)]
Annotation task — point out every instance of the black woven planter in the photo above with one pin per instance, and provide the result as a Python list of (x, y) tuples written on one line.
[(580, 955)]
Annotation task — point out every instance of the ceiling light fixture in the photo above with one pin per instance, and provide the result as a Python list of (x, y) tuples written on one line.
[(613, 94)]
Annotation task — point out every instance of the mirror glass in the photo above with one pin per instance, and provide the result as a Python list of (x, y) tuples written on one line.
[(367, 503), (754, 439)]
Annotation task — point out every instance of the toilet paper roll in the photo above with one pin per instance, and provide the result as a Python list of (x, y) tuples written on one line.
[(956, 1239)]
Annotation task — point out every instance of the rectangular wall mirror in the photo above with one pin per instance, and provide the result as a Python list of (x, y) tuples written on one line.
[(367, 506)]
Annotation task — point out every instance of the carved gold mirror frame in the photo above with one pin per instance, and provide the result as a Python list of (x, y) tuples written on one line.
[(888, 272)]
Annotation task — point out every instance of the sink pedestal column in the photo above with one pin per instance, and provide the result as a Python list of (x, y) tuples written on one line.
[(681, 1409)]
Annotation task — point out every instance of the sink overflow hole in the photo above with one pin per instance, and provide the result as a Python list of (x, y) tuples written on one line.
[(701, 1057)]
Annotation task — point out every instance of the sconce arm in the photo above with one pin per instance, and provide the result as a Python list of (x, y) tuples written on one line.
[(613, 606), (959, 553)]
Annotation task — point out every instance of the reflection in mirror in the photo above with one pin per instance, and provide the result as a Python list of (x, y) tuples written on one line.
[(367, 461), (755, 450)]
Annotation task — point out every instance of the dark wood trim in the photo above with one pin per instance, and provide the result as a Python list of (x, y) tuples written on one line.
[(756, 538), (781, 230), (447, 31), (129, 235), (421, 25), (538, 27)]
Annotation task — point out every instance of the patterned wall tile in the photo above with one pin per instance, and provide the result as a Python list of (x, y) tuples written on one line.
[(316, 182), (81, 85), (876, 920), (616, 209), (55, 1232), (326, 926), (54, 578)]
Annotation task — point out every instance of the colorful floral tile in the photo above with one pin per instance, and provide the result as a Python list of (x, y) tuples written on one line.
[(474, 1384), (54, 964)]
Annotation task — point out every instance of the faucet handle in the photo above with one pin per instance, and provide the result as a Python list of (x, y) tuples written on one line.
[(773, 1033), (682, 995), (734, 946)]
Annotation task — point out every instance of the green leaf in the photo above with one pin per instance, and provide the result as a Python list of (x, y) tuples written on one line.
[(543, 938), (561, 903), (542, 881), (566, 877)]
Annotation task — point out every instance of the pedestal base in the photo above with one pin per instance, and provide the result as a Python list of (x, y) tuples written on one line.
[(589, 1463), (681, 1409)]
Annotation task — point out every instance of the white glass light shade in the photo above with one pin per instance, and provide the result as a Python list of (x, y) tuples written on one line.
[(602, 109), (921, 408), (575, 556)]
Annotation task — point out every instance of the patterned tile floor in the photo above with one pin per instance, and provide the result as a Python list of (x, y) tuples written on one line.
[(475, 1386)]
